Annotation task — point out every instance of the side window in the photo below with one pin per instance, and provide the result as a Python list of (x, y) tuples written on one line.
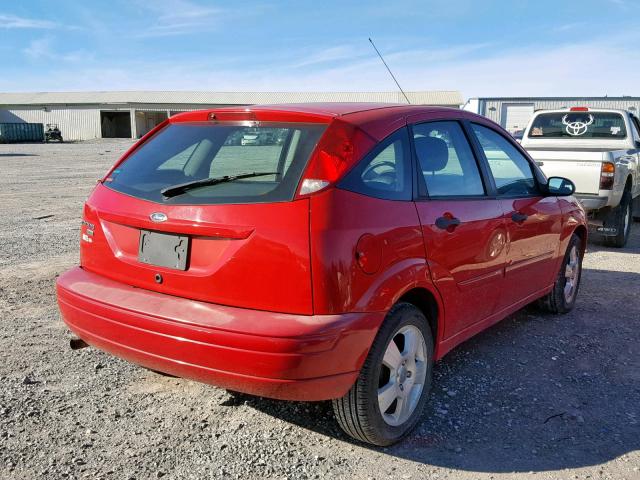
[(446, 160), (510, 169), (385, 172)]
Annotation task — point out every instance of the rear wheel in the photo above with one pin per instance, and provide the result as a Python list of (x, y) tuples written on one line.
[(565, 290), (622, 217), (388, 398)]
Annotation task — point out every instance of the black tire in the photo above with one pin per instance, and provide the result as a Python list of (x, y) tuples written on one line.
[(358, 412), (636, 209), (621, 218), (556, 301)]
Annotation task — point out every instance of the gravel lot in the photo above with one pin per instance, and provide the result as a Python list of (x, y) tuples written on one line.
[(533, 397)]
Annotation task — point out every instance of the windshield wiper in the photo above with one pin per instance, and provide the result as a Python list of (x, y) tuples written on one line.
[(179, 189)]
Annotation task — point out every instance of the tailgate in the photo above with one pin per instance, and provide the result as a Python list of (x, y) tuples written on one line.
[(581, 167), (252, 256)]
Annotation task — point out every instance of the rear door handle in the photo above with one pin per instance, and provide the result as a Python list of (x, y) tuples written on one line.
[(519, 217), (447, 223)]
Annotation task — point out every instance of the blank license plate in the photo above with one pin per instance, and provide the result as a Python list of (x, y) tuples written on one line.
[(163, 249)]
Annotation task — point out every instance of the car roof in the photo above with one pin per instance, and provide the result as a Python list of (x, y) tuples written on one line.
[(377, 119), (339, 109)]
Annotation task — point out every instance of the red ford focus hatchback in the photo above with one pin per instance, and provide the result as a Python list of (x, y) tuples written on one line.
[(320, 251)]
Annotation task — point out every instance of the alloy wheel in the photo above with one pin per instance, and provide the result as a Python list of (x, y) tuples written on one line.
[(572, 274), (402, 376)]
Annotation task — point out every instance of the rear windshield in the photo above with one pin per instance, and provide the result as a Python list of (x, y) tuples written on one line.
[(187, 152), (578, 125)]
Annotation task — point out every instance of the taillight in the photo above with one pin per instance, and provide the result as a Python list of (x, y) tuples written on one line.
[(310, 185), (340, 148), (607, 175), (579, 109)]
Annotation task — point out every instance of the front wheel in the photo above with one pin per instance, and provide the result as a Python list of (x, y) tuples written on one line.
[(562, 298), (388, 398)]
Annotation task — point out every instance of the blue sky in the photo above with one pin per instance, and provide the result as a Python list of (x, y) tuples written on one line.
[(482, 48)]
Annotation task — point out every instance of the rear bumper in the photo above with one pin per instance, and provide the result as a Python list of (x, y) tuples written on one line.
[(592, 202), (293, 357)]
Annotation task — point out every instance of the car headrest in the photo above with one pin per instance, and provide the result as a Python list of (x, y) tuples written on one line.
[(432, 152)]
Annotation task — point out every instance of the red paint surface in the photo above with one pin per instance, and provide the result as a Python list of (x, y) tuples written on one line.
[(284, 299)]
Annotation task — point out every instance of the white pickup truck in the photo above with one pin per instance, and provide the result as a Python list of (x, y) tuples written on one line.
[(599, 150)]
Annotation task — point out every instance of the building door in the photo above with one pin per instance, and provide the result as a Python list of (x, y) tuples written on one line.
[(515, 117), (115, 124), (148, 120)]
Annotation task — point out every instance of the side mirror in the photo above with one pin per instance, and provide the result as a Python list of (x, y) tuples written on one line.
[(560, 187)]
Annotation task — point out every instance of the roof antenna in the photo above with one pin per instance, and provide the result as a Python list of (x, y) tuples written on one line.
[(389, 70)]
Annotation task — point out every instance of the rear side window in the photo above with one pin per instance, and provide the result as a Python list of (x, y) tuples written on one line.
[(385, 172), (580, 125), (188, 152), (446, 160), (510, 169)]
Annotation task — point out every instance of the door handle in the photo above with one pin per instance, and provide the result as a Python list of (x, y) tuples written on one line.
[(519, 217), (447, 223)]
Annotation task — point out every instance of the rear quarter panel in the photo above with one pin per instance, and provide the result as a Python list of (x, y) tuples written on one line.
[(339, 219)]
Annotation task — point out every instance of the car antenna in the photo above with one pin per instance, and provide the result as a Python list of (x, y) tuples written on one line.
[(389, 70)]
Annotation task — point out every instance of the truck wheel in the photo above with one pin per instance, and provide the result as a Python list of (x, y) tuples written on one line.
[(622, 218), (387, 399), (635, 210), (565, 290)]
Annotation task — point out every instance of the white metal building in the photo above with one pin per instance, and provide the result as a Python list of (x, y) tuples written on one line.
[(514, 113), (89, 115)]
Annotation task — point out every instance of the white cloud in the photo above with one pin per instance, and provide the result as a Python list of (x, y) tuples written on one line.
[(567, 69), (43, 48), (13, 21), (38, 48), (568, 26), (331, 54), (8, 21), (179, 17)]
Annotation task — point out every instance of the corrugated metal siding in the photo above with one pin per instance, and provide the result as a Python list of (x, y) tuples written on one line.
[(493, 107), (78, 123), (446, 98), (78, 113), (172, 107)]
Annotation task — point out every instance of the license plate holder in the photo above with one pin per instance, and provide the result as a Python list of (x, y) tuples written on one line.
[(163, 249)]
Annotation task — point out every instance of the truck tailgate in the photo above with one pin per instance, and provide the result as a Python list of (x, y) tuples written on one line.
[(582, 167)]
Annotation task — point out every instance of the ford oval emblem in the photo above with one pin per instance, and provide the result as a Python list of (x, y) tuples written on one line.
[(158, 217)]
